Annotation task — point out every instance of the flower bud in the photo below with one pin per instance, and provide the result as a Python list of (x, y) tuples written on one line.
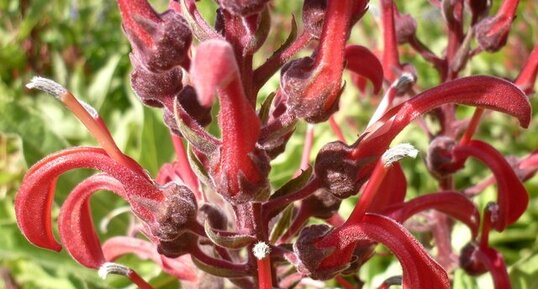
[(310, 257), (337, 171), (322, 204), (405, 27), (153, 88), (306, 99), (243, 7), (181, 245), (176, 214), (171, 39), (313, 15), (440, 159), (470, 262), (214, 215)]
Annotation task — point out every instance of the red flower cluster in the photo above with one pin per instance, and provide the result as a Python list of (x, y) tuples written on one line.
[(180, 212)]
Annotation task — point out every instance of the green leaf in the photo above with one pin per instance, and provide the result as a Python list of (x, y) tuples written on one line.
[(37, 139), (294, 184), (100, 86), (283, 223), (156, 145), (227, 240)]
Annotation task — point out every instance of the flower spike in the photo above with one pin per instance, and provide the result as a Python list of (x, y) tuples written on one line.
[(241, 169)]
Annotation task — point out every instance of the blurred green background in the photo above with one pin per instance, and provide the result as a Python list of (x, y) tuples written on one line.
[(80, 44)]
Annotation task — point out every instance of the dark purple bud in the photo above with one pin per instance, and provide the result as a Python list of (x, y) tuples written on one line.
[(492, 32), (313, 15), (337, 170), (405, 26), (440, 158), (305, 101), (153, 89), (243, 7), (189, 101), (177, 214), (181, 245), (470, 262), (171, 39), (214, 215), (310, 257), (322, 204)]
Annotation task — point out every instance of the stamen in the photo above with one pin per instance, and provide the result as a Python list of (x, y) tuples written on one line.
[(88, 116), (397, 153), (261, 250), (113, 268), (49, 86)]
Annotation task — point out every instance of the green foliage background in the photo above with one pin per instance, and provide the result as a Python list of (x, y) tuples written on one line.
[(80, 44)]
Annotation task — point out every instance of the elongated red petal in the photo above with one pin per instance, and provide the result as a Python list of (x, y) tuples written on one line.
[(362, 61), (391, 191), (181, 267), (481, 91), (214, 68), (454, 204), (512, 196), (34, 199), (75, 220), (419, 269), (527, 77), (494, 262)]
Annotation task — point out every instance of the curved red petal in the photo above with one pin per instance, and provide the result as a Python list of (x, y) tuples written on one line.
[(392, 190), (494, 262), (181, 268), (363, 62), (527, 77), (453, 204), (130, 10), (481, 91), (419, 269), (75, 220), (512, 196), (34, 199)]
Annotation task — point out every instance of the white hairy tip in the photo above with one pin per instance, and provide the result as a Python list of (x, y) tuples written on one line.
[(261, 250), (397, 153), (49, 86), (112, 268), (404, 80), (90, 109)]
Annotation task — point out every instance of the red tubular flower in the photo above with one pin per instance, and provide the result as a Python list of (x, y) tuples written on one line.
[(492, 32), (359, 159), (419, 269), (363, 62), (527, 77), (75, 220), (34, 199), (239, 169), (313, 85), (512, 196)]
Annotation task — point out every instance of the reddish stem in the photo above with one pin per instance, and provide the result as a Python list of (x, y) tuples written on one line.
[(368, 194), (343, 282), (185, 171), (391, 62), (138, 281), (472, 127), (336, 129)]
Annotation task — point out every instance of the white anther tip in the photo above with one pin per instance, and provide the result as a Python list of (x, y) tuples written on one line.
[(261, 250), (397, 153)]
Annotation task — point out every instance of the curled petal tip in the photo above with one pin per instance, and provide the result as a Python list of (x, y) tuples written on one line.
[(47, 85)]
